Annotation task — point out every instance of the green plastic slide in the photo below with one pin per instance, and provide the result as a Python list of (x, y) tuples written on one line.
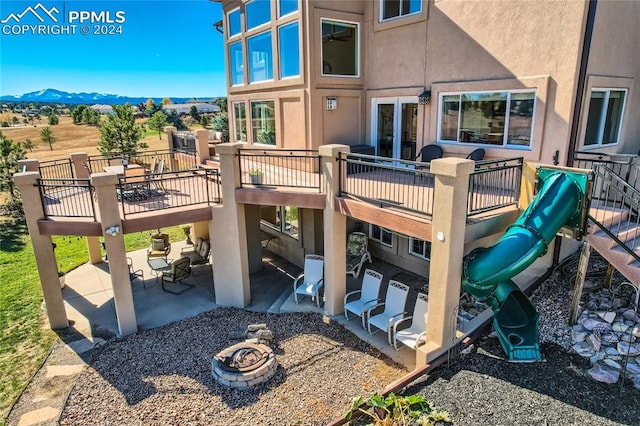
[(488, 270)]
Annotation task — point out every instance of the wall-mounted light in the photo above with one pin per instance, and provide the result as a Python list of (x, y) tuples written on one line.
[(112, 230), (332, 103), (425, 97)]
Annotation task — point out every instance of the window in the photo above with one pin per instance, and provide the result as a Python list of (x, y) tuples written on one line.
[(339, 48), (257, 12), (284, 219), (263, 122), (236, 64), (420, 248), (234, 23), (380, 234), (289, 50), (487, 118), (390, 9), (240, 121), (286, 7), (260, 57), (606, 108)]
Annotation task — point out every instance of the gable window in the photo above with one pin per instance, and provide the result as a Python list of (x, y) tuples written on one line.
[(394, 8), (257, 12), (606, 110), (234, 23), (381, 235), (236, 63), (263, 122), (340, 50), (240, 121), (420, 248), (260, 57), (502, 118), (284, 219), (286, 7), (289, 50)]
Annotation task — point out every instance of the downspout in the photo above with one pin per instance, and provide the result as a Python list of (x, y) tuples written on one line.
[(582, 77)]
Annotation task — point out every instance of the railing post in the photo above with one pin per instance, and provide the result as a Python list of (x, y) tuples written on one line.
[(335, 232), (42, 246), (78, 170), (109, 217), (202, 146), (447, 250)]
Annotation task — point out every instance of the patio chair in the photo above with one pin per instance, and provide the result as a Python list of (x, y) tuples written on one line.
[(156, 176), (430, 152), (311, 280), (201, 256), (160, 246), (357, 252), (133, 274), (135, 185), (180, 270), (368, 295), (476, 154), (192, 248), (115, 161), (393, 305), (414, 335)]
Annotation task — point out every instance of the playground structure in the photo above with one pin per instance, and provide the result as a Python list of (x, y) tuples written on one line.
[(561, 201)]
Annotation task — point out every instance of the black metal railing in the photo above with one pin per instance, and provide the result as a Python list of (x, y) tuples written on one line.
[(174, 160), (183, 141), (67, 197), (494, 184), (156, 191), (407, 185), (56, 169), (624, 165), (280, 168), (614, 208)]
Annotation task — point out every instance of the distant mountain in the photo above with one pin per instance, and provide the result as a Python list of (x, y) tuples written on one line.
[(53, 95)]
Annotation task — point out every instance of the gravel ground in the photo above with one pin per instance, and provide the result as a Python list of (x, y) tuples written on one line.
[(163, 376)]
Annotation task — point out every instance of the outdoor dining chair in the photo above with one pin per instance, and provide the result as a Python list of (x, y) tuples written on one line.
[(371, 282), (311, 280), (137, 273), (180, 271), (414, 335), (393, 305)]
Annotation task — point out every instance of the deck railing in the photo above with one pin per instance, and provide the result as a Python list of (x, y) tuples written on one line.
[(406, 185), (295, 168), (67, 197), (494, 184), (56, 169), (624, 165), (174, 160), (153, 192)]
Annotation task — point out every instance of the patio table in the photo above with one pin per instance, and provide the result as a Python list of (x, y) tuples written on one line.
[(119, 169), (158, 265)]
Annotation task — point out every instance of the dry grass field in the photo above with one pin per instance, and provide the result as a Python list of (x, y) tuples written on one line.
[(70, 138)]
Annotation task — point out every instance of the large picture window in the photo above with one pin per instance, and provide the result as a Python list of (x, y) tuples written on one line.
[(390, 9), (240, 121), (260, 57), (236, 64), (263, 122), (488, 118), (289, 50), (340, 48), (604, 120)]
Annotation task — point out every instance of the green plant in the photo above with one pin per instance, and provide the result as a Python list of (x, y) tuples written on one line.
[(220, 122), (255, 172), (397, 410)]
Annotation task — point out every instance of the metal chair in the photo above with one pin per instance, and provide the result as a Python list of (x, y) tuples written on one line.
[(430, 152), (133, 274), (476, 154), (180, 270), (393, 305), (416, 333), (369, 292), (160, 246), (311, 280)]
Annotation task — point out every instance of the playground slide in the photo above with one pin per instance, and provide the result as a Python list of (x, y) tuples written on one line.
[(488, 271)]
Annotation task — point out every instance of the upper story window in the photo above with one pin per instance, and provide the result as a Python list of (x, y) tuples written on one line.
[(257, 12), (236, 63), (488, 118), (390, 9), (263, 122), (286, 7), (260, 57), (240, 121), (289, 53), (340, 48), (234, 26), (606, 110)]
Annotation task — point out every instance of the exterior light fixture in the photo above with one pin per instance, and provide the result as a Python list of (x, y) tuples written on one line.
[(425, 97)]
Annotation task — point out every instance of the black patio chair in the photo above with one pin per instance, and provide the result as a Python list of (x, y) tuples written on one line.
[(180, 271), (476, 154)]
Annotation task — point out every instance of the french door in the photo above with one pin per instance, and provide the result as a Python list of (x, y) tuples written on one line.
[(394, 127)]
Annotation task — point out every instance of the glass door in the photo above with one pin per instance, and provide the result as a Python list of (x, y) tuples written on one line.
[(395, 127)]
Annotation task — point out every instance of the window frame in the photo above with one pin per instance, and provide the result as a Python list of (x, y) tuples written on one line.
[(254, 137), (232, 64), (504, 144), (246, 16), (378, 238), (238, 120), (279, 11), (281, 212), (424, 249), (280, 55), (357, 52), (229, 35), (393, 18), (267, 67), (603, 115)]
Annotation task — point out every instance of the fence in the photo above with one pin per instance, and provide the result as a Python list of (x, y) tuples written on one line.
[(494, 184), (67, 197), (281, 168), (173, 160), (183, 141), (624, 165), (56, 169)]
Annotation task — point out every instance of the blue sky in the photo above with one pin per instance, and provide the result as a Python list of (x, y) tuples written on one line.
[(166, 48)]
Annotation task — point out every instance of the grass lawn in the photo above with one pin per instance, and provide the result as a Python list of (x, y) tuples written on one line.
[(26, 339)]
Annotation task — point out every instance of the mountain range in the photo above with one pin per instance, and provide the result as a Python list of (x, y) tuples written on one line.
[(59, 96)]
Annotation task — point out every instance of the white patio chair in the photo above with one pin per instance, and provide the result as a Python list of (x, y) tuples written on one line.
[(311, 280), (415, 335), (368, 295), (393, 304)]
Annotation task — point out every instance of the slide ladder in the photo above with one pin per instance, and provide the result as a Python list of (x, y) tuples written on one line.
[(487, 271)]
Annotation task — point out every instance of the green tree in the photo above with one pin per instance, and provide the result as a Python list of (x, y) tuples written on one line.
[(149, 104), (47, 136), (158, 121), (167, 101), (10, 153), (119, 133), (38, 118), (28, 144), (15, 120), (91, 117), (77, 113), (193, 112), (222, 103), (204, 120), (52, 119)]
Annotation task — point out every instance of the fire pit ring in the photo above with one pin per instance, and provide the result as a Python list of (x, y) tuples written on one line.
[(244, 365)]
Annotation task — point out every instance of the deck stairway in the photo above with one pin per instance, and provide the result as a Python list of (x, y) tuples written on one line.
[(614, 221)]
